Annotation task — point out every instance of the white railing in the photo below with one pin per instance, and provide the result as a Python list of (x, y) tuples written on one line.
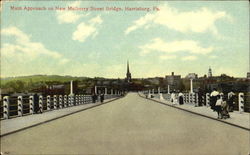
[(194, 99), (26, 105)]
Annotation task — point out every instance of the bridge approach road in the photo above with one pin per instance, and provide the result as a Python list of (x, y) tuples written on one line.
[(130, 125)]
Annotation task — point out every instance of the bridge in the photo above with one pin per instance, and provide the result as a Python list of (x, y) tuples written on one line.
[(132, 124)]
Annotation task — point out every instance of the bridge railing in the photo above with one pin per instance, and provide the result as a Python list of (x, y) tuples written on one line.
[(16, 106), (241, 100)]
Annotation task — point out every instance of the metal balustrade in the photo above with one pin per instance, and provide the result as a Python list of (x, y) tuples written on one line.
[(16, 106)]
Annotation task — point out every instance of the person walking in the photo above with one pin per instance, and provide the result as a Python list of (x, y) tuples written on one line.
[(180, 95), (173, 98), (231, 97), (36, 103), (213, 98), (93, 97), (200, 95), (217, 106), (102, 97), (225, 109)]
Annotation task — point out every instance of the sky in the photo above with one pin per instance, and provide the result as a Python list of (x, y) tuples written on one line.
[(172, 36)]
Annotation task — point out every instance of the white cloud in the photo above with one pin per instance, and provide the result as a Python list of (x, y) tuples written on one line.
[(24, 47), (191, 57), (95, 20), (158, 45), (198, 21), (67, 16), (84, 30)]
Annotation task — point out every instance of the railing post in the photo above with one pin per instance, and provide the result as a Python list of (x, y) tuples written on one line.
[(65, 100), (41, 103), (196, 100), (69, 101), (189, 98), (241, 102), (106, 91), (6, 108), (77, 99), (207, 99), (48, 102), (72, 100), (31, 103), (185, 98), (55, 101), (82, 99), (60, 101), (20, 105)]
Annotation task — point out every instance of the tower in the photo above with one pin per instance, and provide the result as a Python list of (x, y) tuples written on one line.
[(209, 72), (128, 75)]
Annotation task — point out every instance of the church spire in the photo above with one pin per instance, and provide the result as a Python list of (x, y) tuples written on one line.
[(128, 76), (127, 67)]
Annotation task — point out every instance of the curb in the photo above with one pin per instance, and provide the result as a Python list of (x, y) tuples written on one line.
[(235, 125), (47, 121)]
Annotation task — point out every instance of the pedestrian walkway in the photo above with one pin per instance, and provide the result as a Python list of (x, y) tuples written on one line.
[(9, 126), (236, 118)]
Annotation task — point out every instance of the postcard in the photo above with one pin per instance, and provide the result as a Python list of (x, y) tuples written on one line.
[(125, 77)]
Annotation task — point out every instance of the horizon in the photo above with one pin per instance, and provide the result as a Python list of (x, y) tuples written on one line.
[(98, 44), (112, 77)]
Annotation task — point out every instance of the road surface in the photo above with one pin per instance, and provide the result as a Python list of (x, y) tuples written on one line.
[(131, 125)]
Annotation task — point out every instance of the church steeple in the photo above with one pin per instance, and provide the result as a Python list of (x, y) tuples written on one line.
[(127, 67), (128, 77)]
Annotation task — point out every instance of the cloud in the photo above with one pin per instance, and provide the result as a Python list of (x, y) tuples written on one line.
[(96, 20), (25, 48), (190, 46), (198, 21), (191, 57), (67, 16), (84, 30)]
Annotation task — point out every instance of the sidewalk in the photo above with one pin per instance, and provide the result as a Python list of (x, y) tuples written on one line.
[(241, 120), (13, 125)]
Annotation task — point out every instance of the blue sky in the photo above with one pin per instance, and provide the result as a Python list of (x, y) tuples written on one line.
[(183, 37)]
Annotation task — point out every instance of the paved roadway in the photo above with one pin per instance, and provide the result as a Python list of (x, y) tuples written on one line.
[(131, 125)]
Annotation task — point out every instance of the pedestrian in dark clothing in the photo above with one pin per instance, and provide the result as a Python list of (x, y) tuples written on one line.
[(96, 98), (200, 94), (102, 98), (93, 98), (180, 98), (213, 98), (36, 103), (231, 97)]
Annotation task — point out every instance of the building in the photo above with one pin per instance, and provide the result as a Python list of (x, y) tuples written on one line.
[(155, 81), (128, 78), (174, 81), (191, 76)]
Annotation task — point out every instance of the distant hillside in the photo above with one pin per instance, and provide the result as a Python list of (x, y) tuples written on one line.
[(40, 78)]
